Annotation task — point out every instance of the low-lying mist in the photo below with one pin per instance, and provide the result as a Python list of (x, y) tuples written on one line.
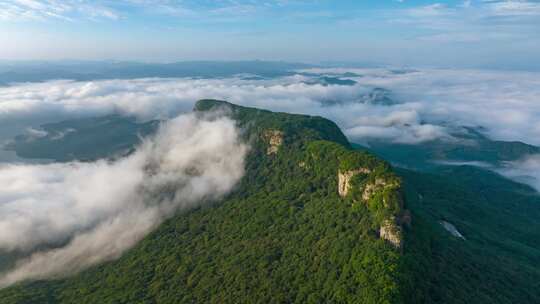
[(98, 210), (526, 170), (425, 105)]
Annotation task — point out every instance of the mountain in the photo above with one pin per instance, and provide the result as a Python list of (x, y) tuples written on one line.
[(319, 220), (83, 139), (330, 80), (35, 71), (312, 221), (376, 96), (469, 145)]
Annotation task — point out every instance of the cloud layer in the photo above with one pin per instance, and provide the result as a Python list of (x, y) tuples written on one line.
[(95, 211), (429, 103), (525, 170)]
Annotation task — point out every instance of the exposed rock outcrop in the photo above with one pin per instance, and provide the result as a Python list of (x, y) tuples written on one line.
[(391, 232), (371, 188), (380, 191), (344, 179), (274, 139)]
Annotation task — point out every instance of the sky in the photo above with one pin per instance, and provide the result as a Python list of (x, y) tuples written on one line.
[(475, 33)]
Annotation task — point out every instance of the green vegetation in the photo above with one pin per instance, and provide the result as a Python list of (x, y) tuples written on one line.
[(498, 260), (284, 235)]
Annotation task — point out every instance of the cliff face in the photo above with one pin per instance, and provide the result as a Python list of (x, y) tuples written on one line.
[(371, 189), (344, 179), (392, 232), (382, 194), (274, 139), (390, 228)]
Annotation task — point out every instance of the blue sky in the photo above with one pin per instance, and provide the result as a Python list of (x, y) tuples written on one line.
[(403, 32)]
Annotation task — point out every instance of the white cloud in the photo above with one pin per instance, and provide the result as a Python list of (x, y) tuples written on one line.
[(70, 10), (22, 10), (99, 210), (472, 21), (35, 133), (432, 10), (525, 170), (513, 8), (160, 98), (507, 104)]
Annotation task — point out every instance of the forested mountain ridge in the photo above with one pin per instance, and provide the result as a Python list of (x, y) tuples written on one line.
[(312, 221)]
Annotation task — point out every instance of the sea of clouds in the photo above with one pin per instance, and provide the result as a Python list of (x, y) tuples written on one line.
[(91, 212), (429, 102)]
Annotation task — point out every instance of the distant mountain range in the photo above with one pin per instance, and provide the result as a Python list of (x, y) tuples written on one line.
[(13, 72)]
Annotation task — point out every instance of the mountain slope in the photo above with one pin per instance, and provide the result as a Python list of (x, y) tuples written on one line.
[(496, 259), (493, 257), (312, 221)]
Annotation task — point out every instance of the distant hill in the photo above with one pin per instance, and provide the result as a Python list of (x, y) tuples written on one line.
[(89, 70), (467, 146), (83, 139)]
